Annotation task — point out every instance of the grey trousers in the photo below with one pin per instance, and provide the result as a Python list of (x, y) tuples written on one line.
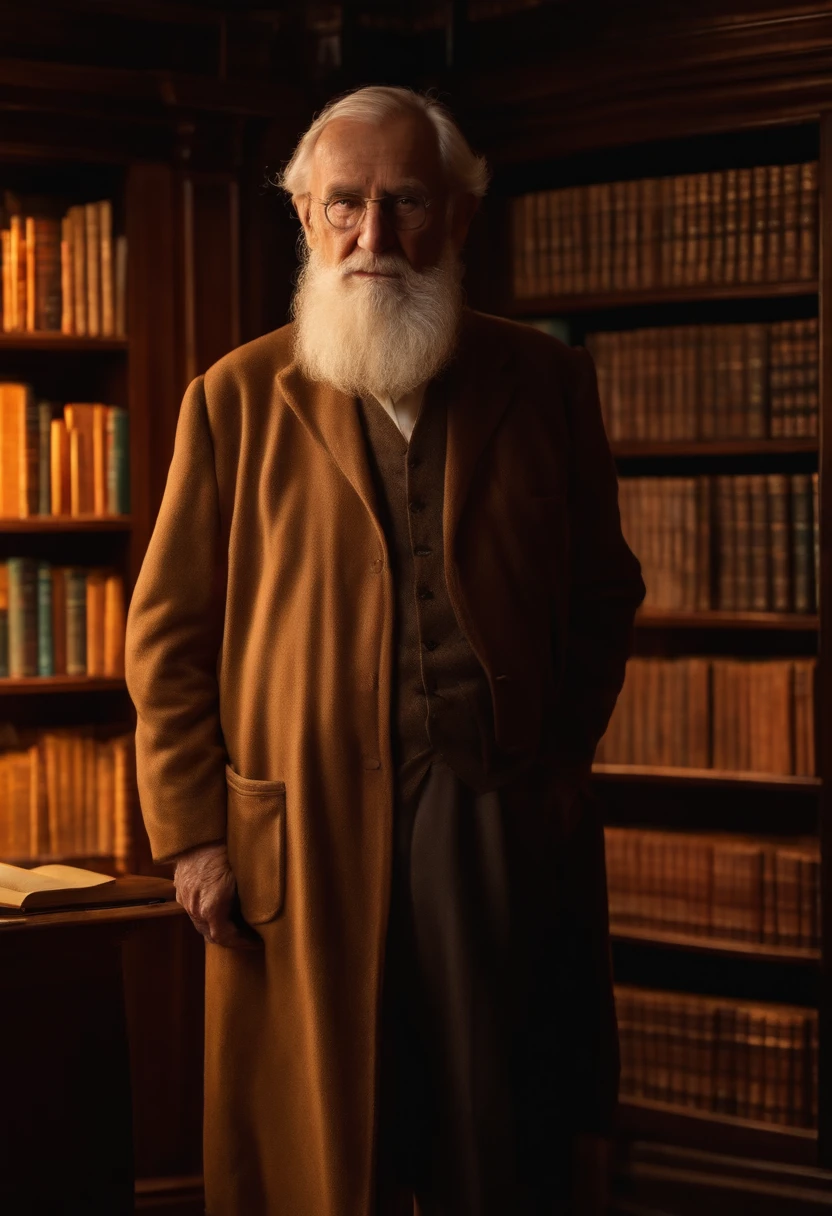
[(446, 1121)]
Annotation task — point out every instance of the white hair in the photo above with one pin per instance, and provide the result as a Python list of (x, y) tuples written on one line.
[(466, 172)]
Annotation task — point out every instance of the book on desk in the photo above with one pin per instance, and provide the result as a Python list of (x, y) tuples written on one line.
[(49, 887)]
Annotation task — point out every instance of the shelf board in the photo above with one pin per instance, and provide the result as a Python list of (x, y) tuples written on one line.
[(638, 1117), (12, 685), (542, 306), (724, 947), (632, 449), (664, 775), (653, 618), (47, 340), (67, 523)]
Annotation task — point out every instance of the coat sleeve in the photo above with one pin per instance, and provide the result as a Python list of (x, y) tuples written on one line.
[(173, 637), (605, 583)]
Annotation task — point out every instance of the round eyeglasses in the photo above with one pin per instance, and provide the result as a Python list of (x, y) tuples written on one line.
[(404, 211)]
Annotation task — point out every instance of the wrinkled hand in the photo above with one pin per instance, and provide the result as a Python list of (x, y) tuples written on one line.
[(205, 887)]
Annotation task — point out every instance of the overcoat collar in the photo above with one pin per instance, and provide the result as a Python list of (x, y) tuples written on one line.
[(478, 384)]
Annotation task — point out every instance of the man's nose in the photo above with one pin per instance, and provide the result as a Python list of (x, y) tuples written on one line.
[(376, 233)]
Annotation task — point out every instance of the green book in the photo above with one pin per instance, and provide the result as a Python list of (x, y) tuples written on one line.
[(118, 461), (23, 617)]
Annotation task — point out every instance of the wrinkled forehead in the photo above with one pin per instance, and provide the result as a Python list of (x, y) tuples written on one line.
[(400, 151)]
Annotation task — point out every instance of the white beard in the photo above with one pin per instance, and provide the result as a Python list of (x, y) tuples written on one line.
[(381, 337)]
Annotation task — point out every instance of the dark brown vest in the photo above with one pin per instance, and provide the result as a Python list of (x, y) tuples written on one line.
[(441, 699)]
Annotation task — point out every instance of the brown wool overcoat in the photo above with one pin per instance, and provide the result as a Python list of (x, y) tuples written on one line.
[(259, 659)]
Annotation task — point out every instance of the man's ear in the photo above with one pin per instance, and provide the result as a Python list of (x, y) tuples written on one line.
[(303, 207), (464, 209)]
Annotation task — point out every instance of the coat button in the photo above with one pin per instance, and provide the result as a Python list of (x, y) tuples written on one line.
[(377, 565), (372, 762)]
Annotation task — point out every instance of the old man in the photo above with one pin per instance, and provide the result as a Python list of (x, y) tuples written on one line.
[(381, 625)]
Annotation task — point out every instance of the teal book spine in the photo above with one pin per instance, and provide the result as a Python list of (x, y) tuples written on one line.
[(23, 617), (44, 458), (118, 461), (46, 649), (76, 622)]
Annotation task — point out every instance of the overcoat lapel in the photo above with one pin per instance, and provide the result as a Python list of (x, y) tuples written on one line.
[(479, 388), (332, 417)]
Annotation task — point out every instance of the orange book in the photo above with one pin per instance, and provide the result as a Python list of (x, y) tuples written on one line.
[(99, 458), (59, 466), (96, 583), (79, 421), (67, 289), (29, 229), (114, 624)]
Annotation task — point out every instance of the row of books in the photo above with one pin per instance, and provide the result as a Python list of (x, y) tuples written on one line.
[(709, 381), (748, 225), (738, 542), (60, 620), (742, 1058), (66, 793), (65, 275), (53, 461), (733, 715), (717, 885)]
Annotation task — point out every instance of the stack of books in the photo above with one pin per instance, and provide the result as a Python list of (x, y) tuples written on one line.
[(748, 225), (64, 275), (74, 461), (60, 620), (734, 542), (746, 1059), (715, 885), (67, 793), (709, 381), (733, 715)]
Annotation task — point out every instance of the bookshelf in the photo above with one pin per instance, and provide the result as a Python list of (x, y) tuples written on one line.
[(691, 402)]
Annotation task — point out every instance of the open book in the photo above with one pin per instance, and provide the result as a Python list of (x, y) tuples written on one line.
[(58, 886)]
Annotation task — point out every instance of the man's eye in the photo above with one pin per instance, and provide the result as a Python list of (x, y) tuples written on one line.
[(406, 204), (344, 205)]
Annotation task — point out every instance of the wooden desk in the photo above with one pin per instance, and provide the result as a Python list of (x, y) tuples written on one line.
[(65, 1103)]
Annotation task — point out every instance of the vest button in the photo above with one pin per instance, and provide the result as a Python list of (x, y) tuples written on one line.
[(430, 644), (416, 505), (425, 593), (413, 462)]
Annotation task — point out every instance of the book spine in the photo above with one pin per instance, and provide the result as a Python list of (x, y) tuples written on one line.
[(46, 657), (23, 617), (76, 613)]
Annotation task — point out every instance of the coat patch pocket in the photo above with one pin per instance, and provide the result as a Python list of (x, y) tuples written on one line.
[(257, 844)]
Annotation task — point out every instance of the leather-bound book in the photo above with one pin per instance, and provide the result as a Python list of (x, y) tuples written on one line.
[(801, 535), (742, 525), (692, 227), (744, 225), (774, 233), (778, 514), (756, 380), (759, 543), (680, 228), (759, 222), (606, 221), (716, 271), (807, 256), (734, 342), (731, 225), (789, 233), (667, 236)]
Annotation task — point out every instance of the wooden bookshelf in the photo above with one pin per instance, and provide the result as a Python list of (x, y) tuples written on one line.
[(688, 294), (67, 523), (724, 947), (709, 1130), (14, 685), (46, 340), (638, 449), (659, 775), (714, 618), (635, 797)]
